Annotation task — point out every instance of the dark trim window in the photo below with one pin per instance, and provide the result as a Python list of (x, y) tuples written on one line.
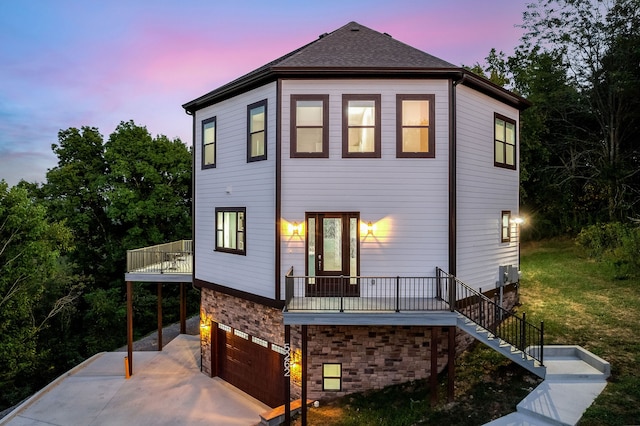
[(209, 137), (257, 131), (230, 229), (361, 126), (415, 136), (332, 377), (505, 142), (310, 126), (505, 227)]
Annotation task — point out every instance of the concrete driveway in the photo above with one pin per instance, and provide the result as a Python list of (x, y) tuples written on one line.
[(167, 388)]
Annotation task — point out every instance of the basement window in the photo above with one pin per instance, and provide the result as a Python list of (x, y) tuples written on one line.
[(331, 377)]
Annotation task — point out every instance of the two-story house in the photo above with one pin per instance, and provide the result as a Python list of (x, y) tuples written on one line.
[(343, 194)]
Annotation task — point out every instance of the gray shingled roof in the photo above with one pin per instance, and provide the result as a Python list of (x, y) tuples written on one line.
[(355, 46), (354, 51)]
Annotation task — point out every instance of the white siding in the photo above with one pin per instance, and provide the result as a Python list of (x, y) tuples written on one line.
[(406, 198), (484, 191), (236, 183)]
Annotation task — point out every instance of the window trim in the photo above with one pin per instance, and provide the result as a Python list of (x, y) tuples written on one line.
[(324, 389), (504, 143), (293, 138), (377, 133), (507, 228), (431, 153), (242, 231), (214, 143), (250, 158)]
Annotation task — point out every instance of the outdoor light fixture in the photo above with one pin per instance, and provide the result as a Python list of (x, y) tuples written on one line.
[(295, 228), (518, 220), (367, 228)]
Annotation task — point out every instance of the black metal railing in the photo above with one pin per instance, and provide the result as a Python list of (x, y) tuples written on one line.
[(444, 292), (374, 293), (501, 323)]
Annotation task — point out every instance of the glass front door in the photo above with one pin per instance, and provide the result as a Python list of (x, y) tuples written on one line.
[(332, 254)]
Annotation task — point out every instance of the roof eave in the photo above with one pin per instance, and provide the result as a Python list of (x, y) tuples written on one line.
[(272, 73)]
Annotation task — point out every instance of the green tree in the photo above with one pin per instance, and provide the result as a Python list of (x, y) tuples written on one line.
[(132, 191), (596, 43), (33, 287)]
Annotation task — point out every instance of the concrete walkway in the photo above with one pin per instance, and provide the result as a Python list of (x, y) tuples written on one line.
[(575, 377), (167, 388)]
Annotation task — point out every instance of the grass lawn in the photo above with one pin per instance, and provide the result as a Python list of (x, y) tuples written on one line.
[(580, 303)]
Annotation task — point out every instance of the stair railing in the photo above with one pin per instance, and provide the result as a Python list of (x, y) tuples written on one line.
[(486, 313)]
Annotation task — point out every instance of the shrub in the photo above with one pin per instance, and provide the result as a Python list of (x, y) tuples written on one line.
[(616, 243)]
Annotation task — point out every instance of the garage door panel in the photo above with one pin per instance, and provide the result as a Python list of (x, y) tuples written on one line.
[(252, 368)]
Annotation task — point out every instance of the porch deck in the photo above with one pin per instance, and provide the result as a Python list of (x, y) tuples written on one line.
[(170, 262)]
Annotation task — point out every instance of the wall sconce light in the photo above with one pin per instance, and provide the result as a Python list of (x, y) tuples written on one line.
[(367, 228), (518, 220), (295, 228), (205, 328)]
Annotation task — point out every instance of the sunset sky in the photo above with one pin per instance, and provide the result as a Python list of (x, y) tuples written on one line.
[(73, 63)]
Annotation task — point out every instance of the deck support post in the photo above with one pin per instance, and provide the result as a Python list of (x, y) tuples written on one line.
[(304, 375), (451, 364), (130, 326), (183, 308), (287, 379), (159, 316), (433, 378)]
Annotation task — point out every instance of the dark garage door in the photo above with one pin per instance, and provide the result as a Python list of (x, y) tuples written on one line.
[(251, 367)]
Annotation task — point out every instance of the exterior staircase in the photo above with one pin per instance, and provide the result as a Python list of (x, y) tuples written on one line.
[(505, 348), (504, 331)]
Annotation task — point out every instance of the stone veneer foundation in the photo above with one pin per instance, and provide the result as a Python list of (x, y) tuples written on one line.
[(372, 357)]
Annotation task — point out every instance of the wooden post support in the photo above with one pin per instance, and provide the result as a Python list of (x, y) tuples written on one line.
[(451, 372), (183, 308), (287, 379), (130, 326), (159, 316), (433, 378), (304, 375)]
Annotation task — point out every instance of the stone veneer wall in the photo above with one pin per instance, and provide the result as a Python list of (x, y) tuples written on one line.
[(252, 318), (371, 356)]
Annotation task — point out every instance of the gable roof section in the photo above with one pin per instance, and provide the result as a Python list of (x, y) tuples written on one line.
[(355, 51)]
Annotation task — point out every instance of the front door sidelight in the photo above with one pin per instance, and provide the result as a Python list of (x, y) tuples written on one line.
[(332, 254)]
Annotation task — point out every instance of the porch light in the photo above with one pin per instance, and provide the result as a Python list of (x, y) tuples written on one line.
[(518, 220), (205, 327), (367, 229), (295, 228)]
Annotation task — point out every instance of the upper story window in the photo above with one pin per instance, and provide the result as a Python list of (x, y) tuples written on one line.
[(505, 226), (415, 135), (209, 143), (361, 126), (257, 131), (505, 142), (230, 233), (310, 126)]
